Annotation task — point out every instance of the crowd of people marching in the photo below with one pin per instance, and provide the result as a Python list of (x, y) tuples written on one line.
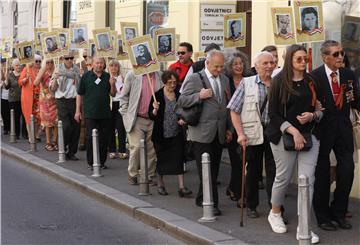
[(283, 116)]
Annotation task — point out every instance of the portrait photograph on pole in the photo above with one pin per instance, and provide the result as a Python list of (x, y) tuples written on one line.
[(64, 37), (114, 41), (283, 26), (234, 30), (129, 30), (6, 47), (103, 42), (142, 55), (25, 52), (37, 37), (350, 32), (79, 36), (164, 42), (51, 47), (92, 48), (120, 50), (309, 21)]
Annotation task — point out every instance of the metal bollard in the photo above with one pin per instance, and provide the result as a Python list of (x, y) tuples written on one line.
[(61, 142), (304, 211), (208, 204), (32, 133), (144, 182), (12, 126), (96, 158)]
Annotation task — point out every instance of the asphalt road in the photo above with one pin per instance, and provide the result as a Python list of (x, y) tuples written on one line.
[(36, 209)]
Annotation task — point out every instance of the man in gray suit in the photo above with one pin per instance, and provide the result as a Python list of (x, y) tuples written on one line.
[(134, 104), (211, 132)]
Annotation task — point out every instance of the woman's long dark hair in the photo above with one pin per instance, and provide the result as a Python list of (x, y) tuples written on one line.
[(287, 74)]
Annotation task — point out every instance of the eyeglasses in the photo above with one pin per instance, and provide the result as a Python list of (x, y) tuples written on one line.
[(300, 59), (37, 61), (337, 53), (68, 58), (181, 53)]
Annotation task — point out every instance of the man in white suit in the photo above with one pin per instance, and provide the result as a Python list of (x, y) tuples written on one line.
[(134, 103)]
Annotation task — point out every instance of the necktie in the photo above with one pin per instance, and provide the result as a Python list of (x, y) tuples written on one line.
[(217, 90), (335, 86)]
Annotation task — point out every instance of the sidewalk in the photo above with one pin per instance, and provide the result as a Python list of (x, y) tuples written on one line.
[(255, 231)]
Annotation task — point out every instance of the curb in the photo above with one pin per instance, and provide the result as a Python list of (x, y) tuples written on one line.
[(176, 226)]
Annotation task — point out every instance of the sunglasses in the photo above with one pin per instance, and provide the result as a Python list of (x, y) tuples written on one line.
[(300, 59), (49, 62), (37, 61), (337, 53), (181, 53), (69, 58)]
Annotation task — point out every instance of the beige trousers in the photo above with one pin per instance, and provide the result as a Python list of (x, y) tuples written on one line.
[(142, 130)]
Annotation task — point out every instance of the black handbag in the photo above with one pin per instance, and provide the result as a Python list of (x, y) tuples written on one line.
[(289, 144), (191, 115), (288, 140)]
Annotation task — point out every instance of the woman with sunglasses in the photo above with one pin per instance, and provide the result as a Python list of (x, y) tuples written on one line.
[(48, 108), (294, 110), (30, 94)]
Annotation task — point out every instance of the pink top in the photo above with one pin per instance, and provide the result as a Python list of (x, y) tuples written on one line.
[(145, 96)]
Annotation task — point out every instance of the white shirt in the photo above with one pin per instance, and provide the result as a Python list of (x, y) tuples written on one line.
[(328, 75), (118, 84), (213, 80)]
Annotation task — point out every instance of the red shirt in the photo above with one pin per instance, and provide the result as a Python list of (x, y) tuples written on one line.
[(181, 69)]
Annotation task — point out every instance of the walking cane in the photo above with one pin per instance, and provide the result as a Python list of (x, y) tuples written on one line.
[(242, 185)]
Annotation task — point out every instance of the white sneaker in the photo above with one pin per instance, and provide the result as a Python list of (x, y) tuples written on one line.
[(314, 238), (276, 222)]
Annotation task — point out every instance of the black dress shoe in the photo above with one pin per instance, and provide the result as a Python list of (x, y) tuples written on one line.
[(198, 202), (162, 191), (343, 224), (252, 213), (184, 192), (327, 226), (71, 157), (217, 211)]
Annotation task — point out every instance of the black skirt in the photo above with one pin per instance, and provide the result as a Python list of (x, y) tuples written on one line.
[(170, 155)]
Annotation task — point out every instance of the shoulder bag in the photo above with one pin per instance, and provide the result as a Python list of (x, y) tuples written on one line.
[(356, 128), (191, 115)]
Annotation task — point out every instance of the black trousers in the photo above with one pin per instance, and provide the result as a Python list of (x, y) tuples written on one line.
[(5, 114), (344, 180), (117, 124), (215, 150), (71, 128), (16, 106), (102, 125), (255, 160), (235, 154)]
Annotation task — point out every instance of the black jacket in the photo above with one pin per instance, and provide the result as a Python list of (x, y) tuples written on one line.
[(158, 130), (337, 120), (277, 109)]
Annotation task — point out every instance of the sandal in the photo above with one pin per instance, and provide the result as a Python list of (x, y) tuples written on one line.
[(231, 194), (49, 147), (55, 146), (123, 155)]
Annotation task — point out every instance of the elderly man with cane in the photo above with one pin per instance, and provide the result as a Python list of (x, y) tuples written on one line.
[(249, 114)]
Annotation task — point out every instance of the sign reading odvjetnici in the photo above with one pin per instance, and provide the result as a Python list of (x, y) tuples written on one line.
[(212, 23)]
